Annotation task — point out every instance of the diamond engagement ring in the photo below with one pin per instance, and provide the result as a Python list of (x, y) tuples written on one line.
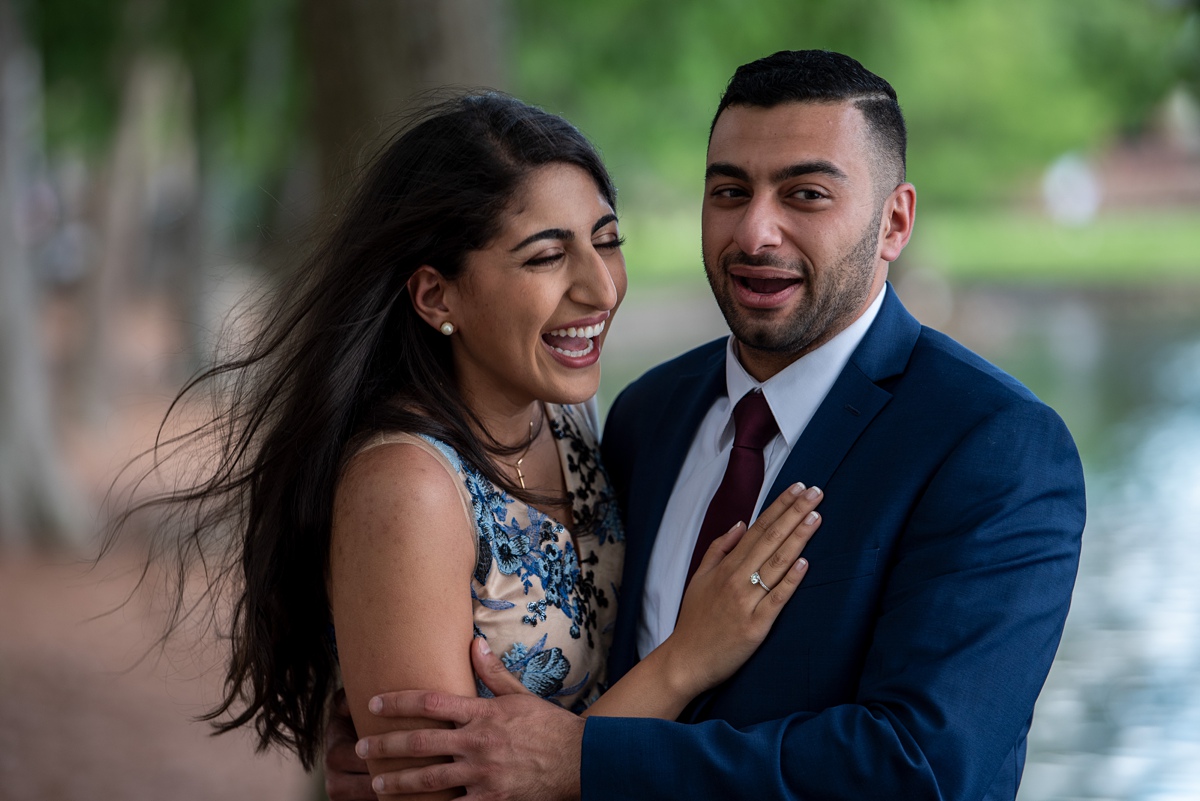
[(757, 579)]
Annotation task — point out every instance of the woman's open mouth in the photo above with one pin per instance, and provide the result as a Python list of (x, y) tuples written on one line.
[(573, 345), (574, 342)]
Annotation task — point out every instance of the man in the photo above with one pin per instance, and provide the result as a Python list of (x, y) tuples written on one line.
[(907, 664)]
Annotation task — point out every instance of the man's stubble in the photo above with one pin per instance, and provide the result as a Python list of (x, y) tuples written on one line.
[(832, 304)]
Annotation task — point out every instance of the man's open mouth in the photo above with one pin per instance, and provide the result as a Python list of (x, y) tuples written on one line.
[(765, 286)]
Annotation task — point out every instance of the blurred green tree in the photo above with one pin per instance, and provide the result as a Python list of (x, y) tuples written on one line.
[(191, 116), (992, 91)]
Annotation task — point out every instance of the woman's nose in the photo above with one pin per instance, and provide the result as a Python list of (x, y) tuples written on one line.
[(595, 285)]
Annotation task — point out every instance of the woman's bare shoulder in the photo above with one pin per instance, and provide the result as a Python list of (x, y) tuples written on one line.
[(401, 484)]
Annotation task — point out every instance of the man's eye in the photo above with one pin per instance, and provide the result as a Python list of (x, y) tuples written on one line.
[(809, 194), (729, 192)]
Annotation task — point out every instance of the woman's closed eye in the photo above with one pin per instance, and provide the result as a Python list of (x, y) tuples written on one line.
[(611, 243), (545, 258), (549, 257)]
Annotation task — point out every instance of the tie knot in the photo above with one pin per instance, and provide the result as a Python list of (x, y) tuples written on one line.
[(754, 425)]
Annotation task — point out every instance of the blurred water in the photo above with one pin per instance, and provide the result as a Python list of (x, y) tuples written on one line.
[(1120, 715)]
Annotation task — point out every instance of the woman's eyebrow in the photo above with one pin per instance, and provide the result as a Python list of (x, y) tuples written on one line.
[(603, 221), (549, 233), (561, 233)]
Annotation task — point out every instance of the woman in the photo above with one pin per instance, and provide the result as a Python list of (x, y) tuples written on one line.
[(411, 464)]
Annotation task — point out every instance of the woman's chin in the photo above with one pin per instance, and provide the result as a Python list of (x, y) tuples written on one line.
[(577, 389)]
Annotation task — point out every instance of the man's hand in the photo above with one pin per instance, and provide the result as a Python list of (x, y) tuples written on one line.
[(513, 746), (346, 775)]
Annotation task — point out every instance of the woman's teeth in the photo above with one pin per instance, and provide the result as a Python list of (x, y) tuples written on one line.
[(575, 354), (574, 341), (588, 331)]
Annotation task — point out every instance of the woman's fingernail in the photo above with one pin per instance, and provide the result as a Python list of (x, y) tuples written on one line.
[(377, 784), (811, 518), (796, 488), (375, 705), (813, 493), (801, 563), (484, 647), (360, 748)]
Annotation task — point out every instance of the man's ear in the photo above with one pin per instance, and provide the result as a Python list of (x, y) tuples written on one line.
[(430, 293), (899, 213)]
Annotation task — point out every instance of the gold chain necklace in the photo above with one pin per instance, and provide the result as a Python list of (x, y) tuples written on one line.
[(524, 453)]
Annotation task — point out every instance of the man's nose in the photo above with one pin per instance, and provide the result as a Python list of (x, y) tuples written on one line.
[(760, 227)]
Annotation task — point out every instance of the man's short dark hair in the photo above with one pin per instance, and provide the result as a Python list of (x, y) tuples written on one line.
[(822, 76)]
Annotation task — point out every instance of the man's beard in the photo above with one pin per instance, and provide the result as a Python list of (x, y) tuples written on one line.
[(844, 289)]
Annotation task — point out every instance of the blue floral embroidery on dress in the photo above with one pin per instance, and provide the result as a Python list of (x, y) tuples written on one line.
[(541, 670), (531, 552), (491, 603), (537, 611), (593, 501), (542, 552)]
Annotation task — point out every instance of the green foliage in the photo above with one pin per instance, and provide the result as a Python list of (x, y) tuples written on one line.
[(990, 93), (241, 55), (1133, 59), (993, 91), (237, 55), (643, 78), (80, 43), (1006, 247)]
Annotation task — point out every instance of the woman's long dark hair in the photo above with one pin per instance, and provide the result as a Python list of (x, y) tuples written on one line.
[(342, 355)]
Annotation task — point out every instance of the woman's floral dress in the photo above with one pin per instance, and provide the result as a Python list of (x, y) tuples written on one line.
[(545, 599)]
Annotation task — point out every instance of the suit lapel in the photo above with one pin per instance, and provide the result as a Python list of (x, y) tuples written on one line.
[(690, 400), (845, 413), (658, 467), (855, 398)]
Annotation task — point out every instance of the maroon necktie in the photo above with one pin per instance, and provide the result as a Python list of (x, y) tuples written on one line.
[(754, 427)]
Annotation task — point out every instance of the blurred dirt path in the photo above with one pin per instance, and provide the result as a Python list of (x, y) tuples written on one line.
[(80, 718)]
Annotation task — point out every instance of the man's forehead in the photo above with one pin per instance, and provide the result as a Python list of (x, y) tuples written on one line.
[(833, 131)]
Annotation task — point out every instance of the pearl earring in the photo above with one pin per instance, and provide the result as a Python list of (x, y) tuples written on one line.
[(447, 328)]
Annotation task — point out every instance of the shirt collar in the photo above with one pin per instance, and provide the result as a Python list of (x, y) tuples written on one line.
[(795, 393)]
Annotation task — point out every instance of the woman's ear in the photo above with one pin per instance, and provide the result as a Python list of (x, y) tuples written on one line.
[(430, 296)]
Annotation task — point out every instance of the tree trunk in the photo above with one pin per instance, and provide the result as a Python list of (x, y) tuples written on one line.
[(122, 244), (369, 58), (37, 503)]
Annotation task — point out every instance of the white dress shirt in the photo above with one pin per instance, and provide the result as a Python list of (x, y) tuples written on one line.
[(793, 395)]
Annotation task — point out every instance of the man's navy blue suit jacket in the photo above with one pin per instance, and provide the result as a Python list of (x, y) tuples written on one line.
[(907, 664)]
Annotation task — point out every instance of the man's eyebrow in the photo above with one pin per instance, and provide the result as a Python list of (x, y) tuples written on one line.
[(549, 233), (724, 169), (603, 221), (816, 167)]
